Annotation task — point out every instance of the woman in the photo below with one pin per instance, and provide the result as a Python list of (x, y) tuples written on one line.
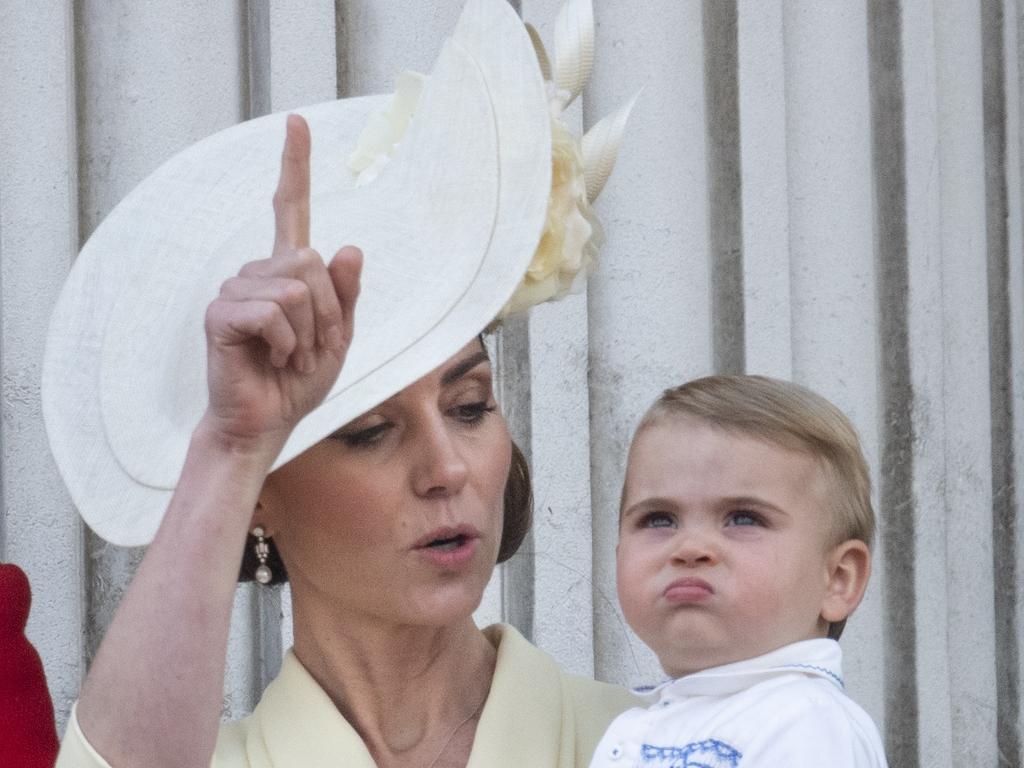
[(389, 529)]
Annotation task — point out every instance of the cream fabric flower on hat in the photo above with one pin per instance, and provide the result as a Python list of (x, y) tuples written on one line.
[(572, 233)]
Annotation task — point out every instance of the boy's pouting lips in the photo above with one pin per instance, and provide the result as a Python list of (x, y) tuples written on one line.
[(726, 549)]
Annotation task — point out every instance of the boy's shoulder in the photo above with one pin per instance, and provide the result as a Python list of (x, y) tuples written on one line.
[(802, 719), (790, 711)]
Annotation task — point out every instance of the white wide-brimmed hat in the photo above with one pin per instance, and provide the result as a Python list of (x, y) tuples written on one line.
[(447, 187)]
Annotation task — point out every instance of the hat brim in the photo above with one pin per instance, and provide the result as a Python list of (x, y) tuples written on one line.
[(447, 230)]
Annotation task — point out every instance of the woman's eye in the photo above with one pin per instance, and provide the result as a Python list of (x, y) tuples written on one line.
[(744, 519), (472, 413), (363, 438), (657, 520)]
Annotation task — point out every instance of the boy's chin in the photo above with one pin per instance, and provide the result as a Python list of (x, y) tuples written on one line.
[(678, 665)]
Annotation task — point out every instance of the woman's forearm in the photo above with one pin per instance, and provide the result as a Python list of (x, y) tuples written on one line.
[(277, 335), (153, 694)]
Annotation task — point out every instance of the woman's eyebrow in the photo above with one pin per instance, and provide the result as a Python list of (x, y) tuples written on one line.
[(458, 371)]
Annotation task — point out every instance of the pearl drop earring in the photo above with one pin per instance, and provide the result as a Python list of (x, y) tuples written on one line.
[(263, 573)]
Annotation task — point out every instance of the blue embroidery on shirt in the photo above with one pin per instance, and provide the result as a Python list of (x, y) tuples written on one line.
[(836, 678), (710, 753), (640, 690)]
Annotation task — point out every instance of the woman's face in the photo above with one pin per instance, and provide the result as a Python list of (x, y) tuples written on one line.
[(398, 514)]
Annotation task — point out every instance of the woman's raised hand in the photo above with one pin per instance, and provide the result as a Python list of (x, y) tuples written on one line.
[(276, 338), (278, 332)]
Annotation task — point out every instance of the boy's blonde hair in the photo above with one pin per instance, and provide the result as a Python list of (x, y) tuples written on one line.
[(792, 417)]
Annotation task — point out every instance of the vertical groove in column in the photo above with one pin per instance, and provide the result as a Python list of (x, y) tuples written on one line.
[(87, 540), (103, 564), (81, 96), (245, 60), (341, 47), (895, 492), (513, 364), (269, 654), (257, 22), (518, 584), (1000, 375), (725, 224), (513, 368)]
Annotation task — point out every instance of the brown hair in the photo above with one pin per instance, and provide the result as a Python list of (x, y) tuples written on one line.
[(516, 521), (792, 417)]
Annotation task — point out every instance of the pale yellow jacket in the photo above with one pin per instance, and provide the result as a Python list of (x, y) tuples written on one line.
[(536, 716)]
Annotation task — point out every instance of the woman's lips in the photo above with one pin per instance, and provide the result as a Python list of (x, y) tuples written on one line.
[(448, 547), (688, 590)]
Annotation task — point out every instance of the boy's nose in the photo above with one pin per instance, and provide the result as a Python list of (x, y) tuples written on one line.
[(692, 548)]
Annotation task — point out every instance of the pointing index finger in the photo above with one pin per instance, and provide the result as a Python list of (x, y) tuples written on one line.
[(291, 200)]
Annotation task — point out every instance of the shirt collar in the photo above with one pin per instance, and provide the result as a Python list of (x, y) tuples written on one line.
[(813, 658)]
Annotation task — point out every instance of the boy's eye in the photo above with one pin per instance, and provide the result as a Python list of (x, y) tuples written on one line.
[(363, 438), (744, 519), (657, 520), (473, 413)]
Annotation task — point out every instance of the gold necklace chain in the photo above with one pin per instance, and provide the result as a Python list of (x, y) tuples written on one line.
[(458, 728)]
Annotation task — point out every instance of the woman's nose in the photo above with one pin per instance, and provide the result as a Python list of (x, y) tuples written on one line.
[(694, 547), (439, 467)]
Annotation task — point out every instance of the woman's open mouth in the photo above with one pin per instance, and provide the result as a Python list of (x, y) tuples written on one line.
[(449, 547)]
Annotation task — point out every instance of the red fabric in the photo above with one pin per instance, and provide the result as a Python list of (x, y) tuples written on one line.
[(28, 736)]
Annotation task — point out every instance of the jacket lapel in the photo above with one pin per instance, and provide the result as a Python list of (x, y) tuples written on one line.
[(524, 715), (296, 723)]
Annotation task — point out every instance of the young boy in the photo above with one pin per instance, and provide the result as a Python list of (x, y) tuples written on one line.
[(744, 545)]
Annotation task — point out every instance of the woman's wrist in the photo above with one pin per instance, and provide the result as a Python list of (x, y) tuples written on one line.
[(221, 479), (249, 453)]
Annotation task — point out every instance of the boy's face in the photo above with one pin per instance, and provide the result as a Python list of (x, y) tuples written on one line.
[(723, 545)]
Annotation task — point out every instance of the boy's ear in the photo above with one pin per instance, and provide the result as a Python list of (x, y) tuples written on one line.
[(849, 565)]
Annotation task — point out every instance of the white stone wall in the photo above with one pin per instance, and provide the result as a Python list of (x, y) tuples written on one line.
[(827, 190)]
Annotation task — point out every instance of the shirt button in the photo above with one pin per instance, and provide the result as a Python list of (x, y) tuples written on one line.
[(616, 752)]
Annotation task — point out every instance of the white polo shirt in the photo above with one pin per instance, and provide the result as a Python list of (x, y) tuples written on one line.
[(786, 708)]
